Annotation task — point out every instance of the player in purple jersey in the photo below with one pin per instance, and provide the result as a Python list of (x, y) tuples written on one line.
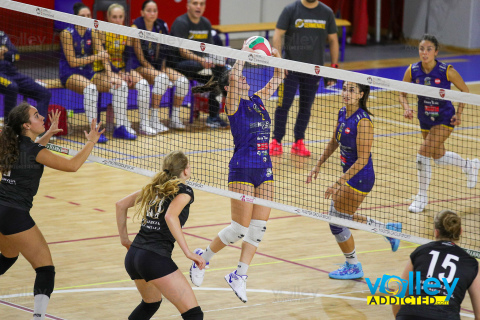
[(443, 260), (164, 206), (250, 171), (354, 135), (76, 68), (437, 119), (151, 65)]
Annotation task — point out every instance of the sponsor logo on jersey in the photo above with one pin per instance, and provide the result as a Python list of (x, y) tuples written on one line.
[(347, 131), (427, 81), (262, 146), (310, 23), (89, 42), (269, 172), (417, 81), (438, 81)]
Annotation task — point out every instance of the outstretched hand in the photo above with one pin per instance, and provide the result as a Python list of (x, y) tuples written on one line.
[(54, 118), (95, 132), (313, 174)]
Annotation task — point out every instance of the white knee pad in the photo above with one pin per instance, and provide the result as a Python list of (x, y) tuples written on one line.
[(161, 84), (232, 233), (256, 231), (143, 91), (90, 99), (340, 233), (181, 87)]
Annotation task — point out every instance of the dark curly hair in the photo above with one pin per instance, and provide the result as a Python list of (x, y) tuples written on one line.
[(9, 151)]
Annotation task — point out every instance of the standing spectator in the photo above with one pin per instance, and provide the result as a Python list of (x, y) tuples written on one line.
[(193, 26), (13, 82), (306, 25)]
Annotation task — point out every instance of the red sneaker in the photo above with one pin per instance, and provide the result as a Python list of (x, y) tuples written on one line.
[(299, 149), (275, 148)]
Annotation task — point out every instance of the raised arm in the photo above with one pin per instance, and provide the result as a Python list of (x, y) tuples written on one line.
[(173, 222), (274, 82), (235, 77), (54, 161), (121, 208), (327, 152), (408, 112)]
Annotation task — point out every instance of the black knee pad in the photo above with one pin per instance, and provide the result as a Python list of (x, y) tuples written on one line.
[(193, 314), (144, 311), (6, 263), (45, 280)]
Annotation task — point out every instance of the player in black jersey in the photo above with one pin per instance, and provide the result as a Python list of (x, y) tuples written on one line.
[(164, 205), (442, 259), (21, 163)]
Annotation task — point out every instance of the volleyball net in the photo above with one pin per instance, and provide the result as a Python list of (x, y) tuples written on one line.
[(395, 147)]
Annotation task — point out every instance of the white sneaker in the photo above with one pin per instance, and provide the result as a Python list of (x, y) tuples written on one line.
[(197, 275), (130, 130), (177, 124), (238, 284), (419, 204), (146, 129), (158, 127), (472, 173)]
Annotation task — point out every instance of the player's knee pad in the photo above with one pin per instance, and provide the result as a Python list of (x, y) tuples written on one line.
[(143, 91), (181, 87), (6, 263), (193, 314), (44, 281), (144, 310), (335, 213), (255, 233), (340, 233), (160, 84), (232, 233)]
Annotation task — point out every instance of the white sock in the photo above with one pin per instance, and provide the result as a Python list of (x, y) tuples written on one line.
[(371, 221), (242, 268), (424, 174), (119, 104), (351, 257), (208, 254), (40, 306), (176, 115), (452, 158), (90, 99), (143, 100)]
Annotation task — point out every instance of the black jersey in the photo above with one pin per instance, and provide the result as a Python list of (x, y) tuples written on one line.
[(154, 235), (20, 185), (442, 259)]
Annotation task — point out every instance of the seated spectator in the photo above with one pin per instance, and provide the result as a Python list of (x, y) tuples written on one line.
[(192, 25), (13, 82), (150, 62), (120, 49), (76, 62)]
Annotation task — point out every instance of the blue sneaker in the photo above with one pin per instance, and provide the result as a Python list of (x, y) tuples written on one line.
[(122, 133), (395, 226), (102, 139), (216, 122), (347, 272)]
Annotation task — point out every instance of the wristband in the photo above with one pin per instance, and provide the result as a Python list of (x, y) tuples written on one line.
[(334, 65)]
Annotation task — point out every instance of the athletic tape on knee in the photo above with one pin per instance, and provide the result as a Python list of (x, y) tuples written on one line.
[(90, 98), (119, 103), (193, 314), (340, 233), (161, 84), (232, 233), (44, 281), (181, 87), (255, 233)]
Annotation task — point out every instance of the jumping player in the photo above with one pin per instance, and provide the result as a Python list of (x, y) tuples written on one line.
[(444, 260), (150, 62), (164, 205), (21, 163), (120, 50), (250, 172), (354, 135), (437, 119), (76, 62)]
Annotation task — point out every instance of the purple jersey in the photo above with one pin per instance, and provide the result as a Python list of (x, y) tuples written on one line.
[(346, 136), (250, 127), (431, 109), (153, 52), (83, 47)]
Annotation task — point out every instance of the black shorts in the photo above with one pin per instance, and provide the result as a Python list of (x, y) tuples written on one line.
[(147, 265), (14, 220)]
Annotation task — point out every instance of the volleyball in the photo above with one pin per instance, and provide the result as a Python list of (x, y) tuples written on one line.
[(259, 45)]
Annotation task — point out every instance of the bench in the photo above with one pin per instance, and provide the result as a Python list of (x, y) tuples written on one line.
[(267, 26)]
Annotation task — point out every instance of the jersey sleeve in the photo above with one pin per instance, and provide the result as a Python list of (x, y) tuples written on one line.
[(180, 29), (331, 23), (186, 190), (34, 148), (284, 19), (12, 53)]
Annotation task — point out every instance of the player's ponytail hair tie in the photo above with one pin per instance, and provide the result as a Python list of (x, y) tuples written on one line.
[(166, 171)]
